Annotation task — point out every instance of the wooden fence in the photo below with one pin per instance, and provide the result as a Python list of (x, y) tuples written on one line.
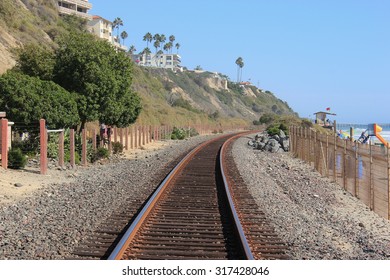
[(132, 137), (361, 169)]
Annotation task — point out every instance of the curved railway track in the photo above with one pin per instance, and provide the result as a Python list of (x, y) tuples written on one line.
[(202, 210)]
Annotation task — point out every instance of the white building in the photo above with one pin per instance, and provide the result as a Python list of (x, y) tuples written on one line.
[(75, 7), (167, 61), (102, 28)]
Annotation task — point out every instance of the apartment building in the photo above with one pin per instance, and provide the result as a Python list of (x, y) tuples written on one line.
[(167, 61), (102, 28), (75, 7)]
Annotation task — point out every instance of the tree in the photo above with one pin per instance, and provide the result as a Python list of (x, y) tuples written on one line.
[(124, 35), (177, 46), (171, 40), (132, 49), (167, 47), (148, 38), (35, 61), (240, 64), (27, 99), (116, 24), (99, 75)]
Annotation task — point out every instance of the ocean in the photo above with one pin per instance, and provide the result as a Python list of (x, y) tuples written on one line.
[(359, 128)]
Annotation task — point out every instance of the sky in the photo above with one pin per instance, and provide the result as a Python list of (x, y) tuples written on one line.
[(313, 54)]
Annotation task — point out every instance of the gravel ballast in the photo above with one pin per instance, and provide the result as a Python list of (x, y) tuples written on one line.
[(314, 216), (50, 223), (310, 213)]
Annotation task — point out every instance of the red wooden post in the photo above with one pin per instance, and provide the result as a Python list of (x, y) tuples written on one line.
[(127, 138), (72, 147), (94, 139), (43, 142), (61, 149), (143, 135), (84, 147), (132, 137), (4, 143)]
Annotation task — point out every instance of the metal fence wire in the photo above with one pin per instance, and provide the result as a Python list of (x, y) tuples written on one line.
[(361, 169)]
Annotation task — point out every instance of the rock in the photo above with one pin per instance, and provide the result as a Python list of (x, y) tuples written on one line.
[(282, 134), (18, 185)]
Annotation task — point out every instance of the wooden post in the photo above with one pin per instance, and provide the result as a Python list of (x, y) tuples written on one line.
[(4, 143), (357, 169), (388, 182), (315, 148), (72, 148), (136, 136), (351, 134), (327, 155), (121, 135), (61, 149), (345, 165), (143, 135), (310, 145), (127, 138), (131, 137), (43, 142), (371, 181), (115, 134), (334, 157), (84, 147), (94, 139)]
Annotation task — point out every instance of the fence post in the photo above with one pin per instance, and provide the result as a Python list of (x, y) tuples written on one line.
[(84, 147), (4, 143), (43, 142), (388, 183), (371, 181), (72, 147), (136, 136), (94, 139), (357, 169), (127, 138), (334, 157), (61, 149), (327, 156), (345, 165)]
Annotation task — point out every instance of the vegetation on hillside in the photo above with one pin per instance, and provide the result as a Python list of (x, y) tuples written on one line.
[(86, 72)]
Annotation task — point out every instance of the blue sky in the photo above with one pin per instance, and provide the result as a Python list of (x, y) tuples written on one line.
[(313, 54)]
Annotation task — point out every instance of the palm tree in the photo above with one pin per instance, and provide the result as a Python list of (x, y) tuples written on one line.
[(177, 46), (148, 38), (156, 44), (240, 64), (172, 39), (116, 23), (124, 35), (132, 49), (158, 54), (168, 46), (163, 38), (146, 51)]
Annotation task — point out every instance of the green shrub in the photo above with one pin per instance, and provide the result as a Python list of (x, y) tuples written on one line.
[(100, 153), (16, 158), (117, 148), (178, 133)]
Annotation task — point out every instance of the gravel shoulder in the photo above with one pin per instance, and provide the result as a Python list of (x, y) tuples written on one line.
[(49, 216), (316, 217)]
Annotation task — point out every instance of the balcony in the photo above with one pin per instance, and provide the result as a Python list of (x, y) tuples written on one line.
[(81, 3), (67, 11)]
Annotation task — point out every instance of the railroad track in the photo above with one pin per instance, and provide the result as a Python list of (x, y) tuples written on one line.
[(202, 210)]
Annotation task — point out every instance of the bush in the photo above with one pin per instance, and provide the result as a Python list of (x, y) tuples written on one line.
[(16, 159), (100, 153), (117, 148), (178, 133)]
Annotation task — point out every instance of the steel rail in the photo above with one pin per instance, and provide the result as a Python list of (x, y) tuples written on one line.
[(238, 225), (130, 233)]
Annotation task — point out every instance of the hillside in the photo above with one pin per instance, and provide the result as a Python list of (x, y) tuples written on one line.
[(168, 98)]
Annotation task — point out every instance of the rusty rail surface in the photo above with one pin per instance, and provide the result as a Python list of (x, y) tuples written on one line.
[(190, 216)]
